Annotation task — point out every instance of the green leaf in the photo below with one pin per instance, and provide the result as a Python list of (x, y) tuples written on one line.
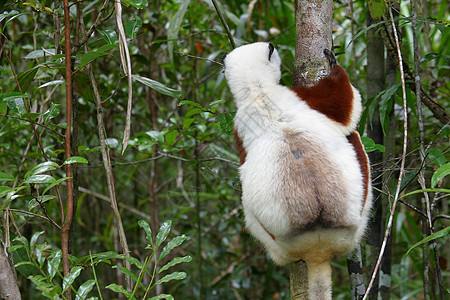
[(171, 137), (119, 289), (51, 83), (40, 255), (39, 179), (193, 111), (447, 191), (439, 174), (163, 232), (108, 35), (6, 177), (175, 261), (216, 102), (40, 53), (376, 9), (433, 56), (156, 135), (436, 235), (385, 105), (162, 296), (134, 261), (70, 278), (158, 86), (175, 242), (148, 231), (84, 289), (437, 157), (13, 95), (53, 264), (42, 168), (31, 116), (52, 112), (75, 160), (225, 122), (188, 102), (90, 56), (39, 200), (175, 24), (187, 122), (48, 290), (34, 239), (50, 186), (17, 105), (173, 276), (25, 78), (4, 189), (370, 146), (132, 27), (103, 257), (126, 272), (107, 47), (139, 4)]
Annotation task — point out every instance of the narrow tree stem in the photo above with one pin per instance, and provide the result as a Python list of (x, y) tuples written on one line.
[(67, 223), (402, 166)]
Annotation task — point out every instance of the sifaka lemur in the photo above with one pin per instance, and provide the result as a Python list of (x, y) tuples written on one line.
[(305, 176)]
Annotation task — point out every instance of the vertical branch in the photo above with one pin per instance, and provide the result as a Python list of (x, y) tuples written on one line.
[(425, 221), (126, 63), (224, 23), (375, 84), (67, 147), (429, 222), (109, 172), (402, 166), (107, 163), (199, 220), (355, 270), (313, 29)]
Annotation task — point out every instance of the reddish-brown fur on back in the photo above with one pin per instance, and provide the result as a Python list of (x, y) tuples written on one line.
[(355, 140), (240, 147), (332, 96)]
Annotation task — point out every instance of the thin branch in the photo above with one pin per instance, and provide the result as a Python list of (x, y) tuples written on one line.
[(199, 57), (98, 21), (402, 167), (37, 216), (437, 110), (126, 64), (28, 120), (108, 168), (224, 23), (67, 223)]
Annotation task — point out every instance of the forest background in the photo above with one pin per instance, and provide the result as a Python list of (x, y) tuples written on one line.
[(162, 194)]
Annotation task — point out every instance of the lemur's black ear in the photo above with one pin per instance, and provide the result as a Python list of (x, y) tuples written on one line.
[(271, 49), (222, 59), (330, 56)]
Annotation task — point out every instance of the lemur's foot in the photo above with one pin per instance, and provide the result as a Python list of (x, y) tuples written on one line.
[(330, 57)]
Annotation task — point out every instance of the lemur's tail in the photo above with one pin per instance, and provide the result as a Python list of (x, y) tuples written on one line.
[(319, 279)]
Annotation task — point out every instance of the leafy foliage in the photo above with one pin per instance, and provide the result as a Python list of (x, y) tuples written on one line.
[(180, 164)]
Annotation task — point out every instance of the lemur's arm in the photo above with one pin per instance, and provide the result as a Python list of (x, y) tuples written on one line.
[(332, 96)]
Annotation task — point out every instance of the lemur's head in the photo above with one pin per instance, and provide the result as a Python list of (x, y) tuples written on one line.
[(251, 66)]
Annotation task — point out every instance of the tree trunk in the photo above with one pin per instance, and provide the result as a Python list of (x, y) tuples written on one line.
[(8, 284), (375, 84), (313, 28)]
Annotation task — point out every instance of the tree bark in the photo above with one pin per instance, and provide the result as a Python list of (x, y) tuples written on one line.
[(313, 27), (375, 83), (8, 284)]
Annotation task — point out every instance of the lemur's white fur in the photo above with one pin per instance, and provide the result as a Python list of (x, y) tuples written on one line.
[(273, 122)]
